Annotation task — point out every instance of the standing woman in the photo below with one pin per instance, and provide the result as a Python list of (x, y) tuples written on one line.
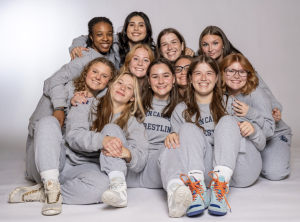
[(181, 68), (207, 136), (45, 155), (136, 29), (238, 77)]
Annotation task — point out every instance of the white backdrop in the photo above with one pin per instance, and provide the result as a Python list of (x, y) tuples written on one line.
[(35, 36)]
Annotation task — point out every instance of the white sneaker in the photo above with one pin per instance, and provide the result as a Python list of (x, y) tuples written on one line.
[(53, 201), (179, 199), (25, 194), (117, 194)]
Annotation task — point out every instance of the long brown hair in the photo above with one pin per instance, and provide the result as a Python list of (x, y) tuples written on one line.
[(104, 109), (147, 93), (79, 81), (216, 106), (214, 30), (167, 31), (252, 80)]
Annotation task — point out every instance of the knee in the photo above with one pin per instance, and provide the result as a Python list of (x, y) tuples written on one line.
[(112, 129), (227, 123), (47, 122), (275, 172), (188, 129)]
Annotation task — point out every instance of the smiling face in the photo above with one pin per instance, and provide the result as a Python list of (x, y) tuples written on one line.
[(122, 91), (203, 80), (171, 47), (161, 81), (97, 77), (136, 30), (212, 45), (102, 37), (139, 63), (181, 76), (235, 83)]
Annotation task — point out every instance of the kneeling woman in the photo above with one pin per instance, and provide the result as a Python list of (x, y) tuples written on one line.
[(208, 136), (89, 131)]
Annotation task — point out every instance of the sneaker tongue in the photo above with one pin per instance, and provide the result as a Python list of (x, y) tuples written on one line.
[(50, 185), (117, 180), (221, 178)]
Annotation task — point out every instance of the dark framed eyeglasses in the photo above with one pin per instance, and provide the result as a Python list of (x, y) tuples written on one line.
[(179, 68), (232, 72)]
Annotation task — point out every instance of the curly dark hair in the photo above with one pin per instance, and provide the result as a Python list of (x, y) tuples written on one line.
[(123, 38), (92, 22)]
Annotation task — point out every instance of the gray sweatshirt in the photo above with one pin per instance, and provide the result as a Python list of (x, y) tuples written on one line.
[(81, 42), (259, 112), (274, 101), (84, 145), (54, 86), (177, 119), (157, 127), (45, 108)]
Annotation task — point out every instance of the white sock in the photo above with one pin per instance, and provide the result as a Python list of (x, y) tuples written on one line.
[(177, 181), (114, 174), (50, 175), (223, 171), (198, 174)]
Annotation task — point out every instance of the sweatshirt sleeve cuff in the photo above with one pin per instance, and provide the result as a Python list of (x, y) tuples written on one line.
[(133, 161), (59, 103)]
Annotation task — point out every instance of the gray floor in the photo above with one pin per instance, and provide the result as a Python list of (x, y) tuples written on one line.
[(263, 201)]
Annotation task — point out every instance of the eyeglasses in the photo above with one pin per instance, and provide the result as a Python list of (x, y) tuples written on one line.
[(232, 72), (179, 68)]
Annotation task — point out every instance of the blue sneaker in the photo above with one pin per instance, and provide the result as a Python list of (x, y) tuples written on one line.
[(219, 189), (199, 193)]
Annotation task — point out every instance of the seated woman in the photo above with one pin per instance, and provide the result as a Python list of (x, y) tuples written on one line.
[(160, 96), (171, 45), (238, 78), (208, 137), (137, 61), (81, 181), (181, 68)]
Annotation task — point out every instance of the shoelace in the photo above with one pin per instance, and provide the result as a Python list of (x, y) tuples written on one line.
[(220, 188), (195, 187), (53, 194), (116, 186), (31, 195)]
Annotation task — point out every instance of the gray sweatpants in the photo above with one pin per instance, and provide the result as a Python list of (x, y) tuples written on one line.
[(196, 153), (81, 184), (276, 157)]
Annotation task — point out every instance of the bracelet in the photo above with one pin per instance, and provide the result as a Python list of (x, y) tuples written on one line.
[(59, 108)]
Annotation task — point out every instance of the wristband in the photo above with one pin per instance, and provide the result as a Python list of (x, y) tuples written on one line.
[(59, 108)]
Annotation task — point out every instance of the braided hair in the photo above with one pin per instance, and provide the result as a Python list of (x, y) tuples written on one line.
[(91, 24)]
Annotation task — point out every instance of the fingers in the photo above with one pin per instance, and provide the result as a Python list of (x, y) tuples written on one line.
[(84, 49), (189, 52), (246, 129), (167, 142)]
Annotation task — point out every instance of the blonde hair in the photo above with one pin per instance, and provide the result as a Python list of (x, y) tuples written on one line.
[(252, 80), (130, 54), (104, 109)]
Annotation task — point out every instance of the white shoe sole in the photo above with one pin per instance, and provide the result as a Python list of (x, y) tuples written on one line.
[(112, 199), (11, 194), (182, 198), (51, 212)]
